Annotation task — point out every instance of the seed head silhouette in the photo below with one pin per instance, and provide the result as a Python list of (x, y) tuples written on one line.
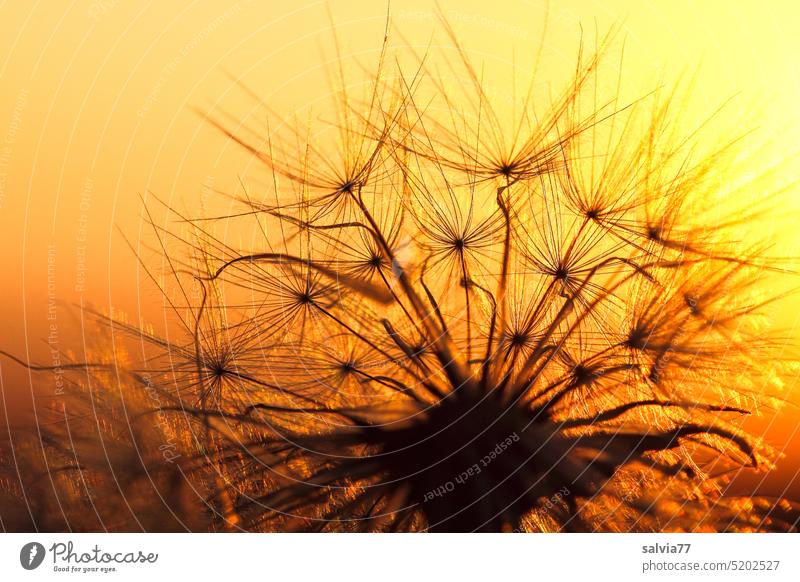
[(451, 321)]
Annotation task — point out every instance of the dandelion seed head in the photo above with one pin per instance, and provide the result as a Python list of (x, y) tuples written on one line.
[(447, 326)]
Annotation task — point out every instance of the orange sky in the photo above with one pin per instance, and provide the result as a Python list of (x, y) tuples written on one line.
[(98, 98)]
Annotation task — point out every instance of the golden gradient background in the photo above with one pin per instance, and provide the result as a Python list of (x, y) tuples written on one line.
[(98, 110)]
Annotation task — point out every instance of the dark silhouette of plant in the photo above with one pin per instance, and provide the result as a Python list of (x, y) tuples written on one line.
[(457, 322)]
